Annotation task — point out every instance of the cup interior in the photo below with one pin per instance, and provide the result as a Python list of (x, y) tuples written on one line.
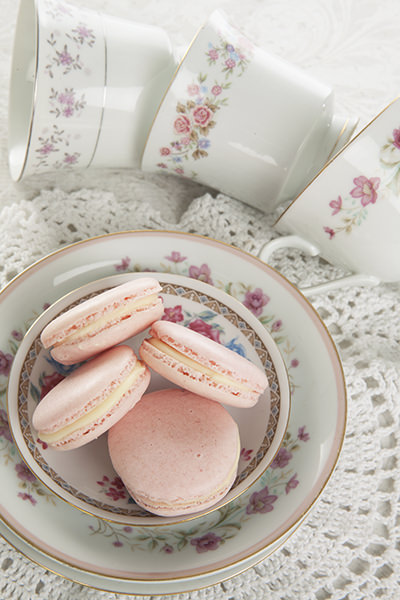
[(22, 86)]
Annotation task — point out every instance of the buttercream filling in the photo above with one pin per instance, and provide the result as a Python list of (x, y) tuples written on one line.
[(189, 362), (117, 314), (98, 411)]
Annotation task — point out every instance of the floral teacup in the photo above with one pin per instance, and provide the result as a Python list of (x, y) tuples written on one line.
[(243, 121), (350, 212), (81, 80)]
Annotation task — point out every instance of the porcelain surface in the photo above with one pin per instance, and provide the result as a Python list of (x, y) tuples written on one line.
[(203, 550)]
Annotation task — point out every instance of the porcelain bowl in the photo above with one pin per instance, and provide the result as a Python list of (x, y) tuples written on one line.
[(84, 477)]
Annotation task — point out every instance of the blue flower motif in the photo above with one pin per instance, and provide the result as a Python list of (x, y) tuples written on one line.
[(203, 143), (234, 56), (177, 159), (230, 48), (204, 89), (236, 347)]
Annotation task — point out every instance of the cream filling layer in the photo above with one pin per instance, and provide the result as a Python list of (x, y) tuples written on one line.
[(101, 322), (98, 411), (189, 362)]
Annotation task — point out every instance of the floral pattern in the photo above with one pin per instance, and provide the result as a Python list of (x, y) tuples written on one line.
[(279, 480), (390, 160), (352, 210), (197, 114)]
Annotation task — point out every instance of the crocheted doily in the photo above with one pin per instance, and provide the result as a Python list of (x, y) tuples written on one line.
[(348, 546)]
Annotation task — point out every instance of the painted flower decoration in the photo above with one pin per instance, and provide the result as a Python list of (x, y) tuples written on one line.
[(261, 502), (24, 473), (282, 459), (396, 138), (176, 257), (206, 542), (5, 363), (203, 273), (173, 314), (255, 300), (4, 427), (336, 205), (205, 329), (366, 189)]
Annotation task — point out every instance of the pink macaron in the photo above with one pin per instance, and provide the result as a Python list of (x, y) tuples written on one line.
[(91, 399), (201, 365), (103, 321), (176, 452)]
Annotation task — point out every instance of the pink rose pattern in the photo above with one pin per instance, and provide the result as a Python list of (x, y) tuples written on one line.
[(352, 210), (197, 113)]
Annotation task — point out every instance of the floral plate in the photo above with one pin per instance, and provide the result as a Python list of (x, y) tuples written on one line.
[(204, 550), (85, 476)]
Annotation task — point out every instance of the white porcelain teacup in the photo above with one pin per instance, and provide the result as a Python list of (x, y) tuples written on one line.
[(350, 212), (84, 88), (243, 121)]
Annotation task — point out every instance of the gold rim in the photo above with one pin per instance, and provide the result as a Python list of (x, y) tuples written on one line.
[(341, 391), (335, 157)]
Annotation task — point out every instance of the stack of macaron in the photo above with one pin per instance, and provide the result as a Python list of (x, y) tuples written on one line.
[(177, 449)]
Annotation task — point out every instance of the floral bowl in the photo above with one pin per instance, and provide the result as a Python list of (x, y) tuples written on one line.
[(84, 477)]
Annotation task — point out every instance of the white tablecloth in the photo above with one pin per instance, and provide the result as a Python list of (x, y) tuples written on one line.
[(348, 547)]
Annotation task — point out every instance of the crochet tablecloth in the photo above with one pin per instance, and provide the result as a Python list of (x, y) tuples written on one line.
[(349, 545)]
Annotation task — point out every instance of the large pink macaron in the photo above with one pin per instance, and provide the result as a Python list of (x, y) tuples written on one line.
[(202, 365), (176, 452), (91, 399), (103, 321)]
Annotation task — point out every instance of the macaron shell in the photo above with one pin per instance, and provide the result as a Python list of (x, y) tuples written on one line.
[(209, 353), (97, 306), (85, 389), (176, 452), (71, 353)]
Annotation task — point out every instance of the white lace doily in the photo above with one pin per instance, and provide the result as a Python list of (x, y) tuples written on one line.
[(348, 547)]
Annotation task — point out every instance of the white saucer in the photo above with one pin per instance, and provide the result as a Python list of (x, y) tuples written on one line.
[(178, 558)]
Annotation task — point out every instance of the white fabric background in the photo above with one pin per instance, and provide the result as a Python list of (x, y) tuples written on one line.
[(349, 546)]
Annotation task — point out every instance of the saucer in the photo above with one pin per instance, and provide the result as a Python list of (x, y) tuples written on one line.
[(85, 477), (179, 558)]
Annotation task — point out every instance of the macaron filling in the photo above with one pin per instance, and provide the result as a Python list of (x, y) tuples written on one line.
[(100, 409), (101, 322), (179, 357)]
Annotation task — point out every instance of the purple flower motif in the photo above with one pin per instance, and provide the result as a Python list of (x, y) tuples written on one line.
[(68, 111), (17, 335), (330, 232), (5, 363), (176, 257), (167, 548), (124, 264), (24, 473), (83, 31), (336, 205), (230, 48), (118, 544), (276, 325), (206, 542), (396, 138), (292, 483), (64, 57), (261, 502), (4, 427), (282, 459), (128, 529), (294, 363), (46, 149), (302, 434), (67, 97), (29, 497), (71, 159), (173, 314), (202, 273), (255, 301), (366, 189), (203, 143)]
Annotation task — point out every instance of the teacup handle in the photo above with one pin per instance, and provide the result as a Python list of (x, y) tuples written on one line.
[(294, 241)]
